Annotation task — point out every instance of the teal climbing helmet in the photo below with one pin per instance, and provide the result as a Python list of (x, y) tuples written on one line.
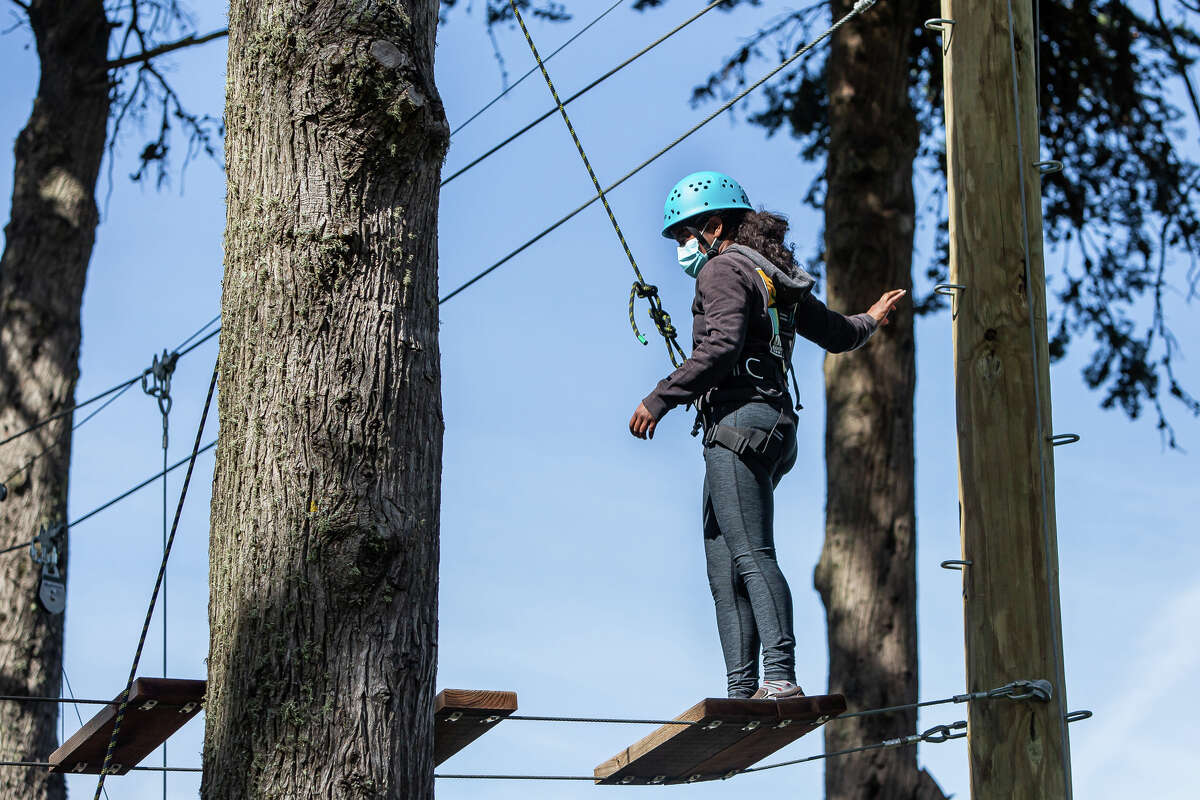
[(701, 192)]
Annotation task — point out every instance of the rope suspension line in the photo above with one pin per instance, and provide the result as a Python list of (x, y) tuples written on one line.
[(935, 735), (118, 498), (60, 441), (179, 353), (662, 320), (532, 70), (585, 89), (162, 569), (859, 8)]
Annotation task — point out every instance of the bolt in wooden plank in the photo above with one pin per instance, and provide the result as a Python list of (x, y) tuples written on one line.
[(157, 708), (463, 715), (727, 735)]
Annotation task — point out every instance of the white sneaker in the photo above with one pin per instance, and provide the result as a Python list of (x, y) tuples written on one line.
[(777, 690)]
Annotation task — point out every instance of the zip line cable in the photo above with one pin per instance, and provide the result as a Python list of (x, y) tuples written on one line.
[(532, 70), (124, 697), (859, 8), (935, 735), (587, 88), (117, 499), (107, 392), (662, 320), (64, 439)]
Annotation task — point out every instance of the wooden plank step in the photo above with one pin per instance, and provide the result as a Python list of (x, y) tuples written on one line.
[(729, 735), (157, 708), (463, 715)]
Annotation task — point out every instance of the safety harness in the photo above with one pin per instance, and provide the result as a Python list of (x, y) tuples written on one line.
[(760, 369)]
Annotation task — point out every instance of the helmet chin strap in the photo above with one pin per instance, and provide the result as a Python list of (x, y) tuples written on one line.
[(712, 248)]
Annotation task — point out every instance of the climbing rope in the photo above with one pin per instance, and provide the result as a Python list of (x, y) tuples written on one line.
[(585, 89), (162, 569), (661, 319), (532, 70), (859, 8)]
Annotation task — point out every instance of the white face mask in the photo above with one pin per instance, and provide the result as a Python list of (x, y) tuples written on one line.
[(691, 258)]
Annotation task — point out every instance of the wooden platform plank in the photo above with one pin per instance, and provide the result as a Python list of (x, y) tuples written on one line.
[(157, 708), (463, 715), (728, 735)]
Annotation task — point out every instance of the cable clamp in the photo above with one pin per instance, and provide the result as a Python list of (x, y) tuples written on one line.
[(80, 766), (657, 779), (1040, 689), (785, 723), (1063, 438), (1048, 167), (159, 385), (712, 726), (489, 720), (863, 5), (752, 725), (189, 707), (148, 705), (455, 717), (628, 779), (956, 564), (1078, 716), (943, 733)]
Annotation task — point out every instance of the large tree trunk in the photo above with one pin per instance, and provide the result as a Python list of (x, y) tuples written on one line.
[(324, 544), (867, 572), (48, 242)]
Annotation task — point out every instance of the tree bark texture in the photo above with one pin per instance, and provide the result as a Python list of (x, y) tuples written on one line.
[(48, 243), (324, 546), (1017, 750), (867, 572)]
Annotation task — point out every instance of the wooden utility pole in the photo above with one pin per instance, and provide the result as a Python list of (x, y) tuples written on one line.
[(1017, 749)]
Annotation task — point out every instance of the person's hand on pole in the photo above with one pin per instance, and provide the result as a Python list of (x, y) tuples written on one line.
[(885, 305), (642, 424)]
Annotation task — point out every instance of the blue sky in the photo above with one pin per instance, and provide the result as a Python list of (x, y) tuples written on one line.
[(572, 568)]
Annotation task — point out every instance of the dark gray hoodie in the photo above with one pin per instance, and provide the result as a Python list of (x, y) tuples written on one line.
[(730, 319)]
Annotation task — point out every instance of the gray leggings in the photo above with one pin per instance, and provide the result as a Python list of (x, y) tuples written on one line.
[(754, 604)]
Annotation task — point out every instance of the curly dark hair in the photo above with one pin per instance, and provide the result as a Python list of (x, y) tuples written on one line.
[(763, 231)]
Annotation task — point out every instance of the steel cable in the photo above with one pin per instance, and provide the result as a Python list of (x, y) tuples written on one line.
[(124, 697), (532, 70), (586, 89), (859, 7)]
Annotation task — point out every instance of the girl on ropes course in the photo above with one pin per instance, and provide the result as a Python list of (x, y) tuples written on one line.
[(751, 301)]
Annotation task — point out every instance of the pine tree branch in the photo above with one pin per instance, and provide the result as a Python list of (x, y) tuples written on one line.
[(1180, 61), (187, 41)]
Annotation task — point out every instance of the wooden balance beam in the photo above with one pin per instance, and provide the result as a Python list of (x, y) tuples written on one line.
[(728, 736), (463, 715), (157, 708)]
